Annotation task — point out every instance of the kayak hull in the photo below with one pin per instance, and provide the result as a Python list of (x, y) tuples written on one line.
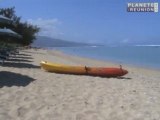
[(60, 68), (106, 72), (83, 70)]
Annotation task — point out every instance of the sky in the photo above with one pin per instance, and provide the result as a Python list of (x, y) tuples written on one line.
[(94, 21)]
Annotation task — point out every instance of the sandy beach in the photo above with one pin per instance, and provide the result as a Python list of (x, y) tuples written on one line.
[(29, 93)]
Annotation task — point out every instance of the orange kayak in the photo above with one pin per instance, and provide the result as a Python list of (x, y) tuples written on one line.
[(83, 70), (106, 72)]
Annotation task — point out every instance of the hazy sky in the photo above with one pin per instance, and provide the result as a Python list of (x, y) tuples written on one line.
[(101, 21)]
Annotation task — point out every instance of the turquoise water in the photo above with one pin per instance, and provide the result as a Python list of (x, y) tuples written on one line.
[(146, 56)]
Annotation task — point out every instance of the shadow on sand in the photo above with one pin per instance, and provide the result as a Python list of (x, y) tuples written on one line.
[(19, 60), (19, 65), (21, 54), (119, 77), (10, 79), (127, 78), (22, 57)]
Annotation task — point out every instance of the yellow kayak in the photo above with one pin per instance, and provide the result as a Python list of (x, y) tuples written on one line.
[(83, 70), (60, 68)]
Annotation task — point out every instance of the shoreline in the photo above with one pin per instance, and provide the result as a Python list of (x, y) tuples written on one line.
[(114, 62), (28, 92), (82, 60)]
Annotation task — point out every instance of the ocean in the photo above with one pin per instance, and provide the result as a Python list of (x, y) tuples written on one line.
[(143, 56)]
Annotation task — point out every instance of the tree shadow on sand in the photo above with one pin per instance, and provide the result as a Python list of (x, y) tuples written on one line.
[(22, 57), (19, 60), (19, 65), (10, 79), (21, 54)]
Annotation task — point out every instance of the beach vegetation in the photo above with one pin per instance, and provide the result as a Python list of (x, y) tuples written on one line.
[(26, 30)]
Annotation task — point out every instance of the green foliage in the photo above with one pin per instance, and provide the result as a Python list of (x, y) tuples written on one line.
[(26, 30)]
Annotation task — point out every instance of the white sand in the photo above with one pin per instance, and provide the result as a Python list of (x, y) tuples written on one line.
[(29, 93)]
